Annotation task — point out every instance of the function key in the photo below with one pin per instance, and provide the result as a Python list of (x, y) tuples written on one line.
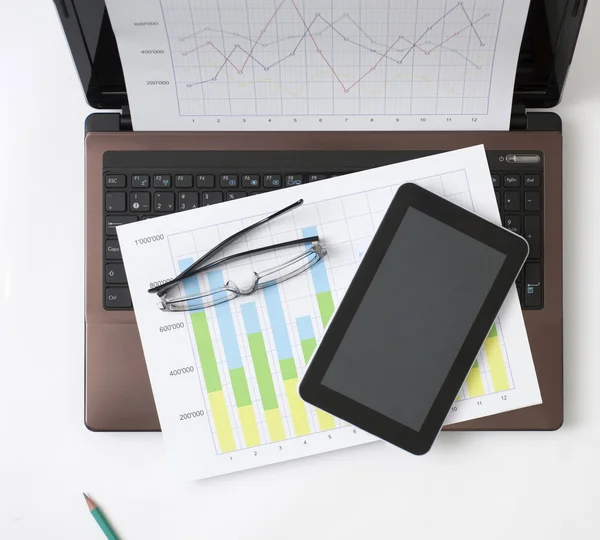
[(117, 297), (162, 180), (229, 180), (205, 180), (115, 181), (316, 177), (139, 201), (293, 180), (140, 181), (496, 180), (184, 180), (211, 197), (250, 180), (512, 180), (116, 202), (272, 180), (164, 202), (532, 180)]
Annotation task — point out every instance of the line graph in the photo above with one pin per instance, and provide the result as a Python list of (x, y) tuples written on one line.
[(311, 57)]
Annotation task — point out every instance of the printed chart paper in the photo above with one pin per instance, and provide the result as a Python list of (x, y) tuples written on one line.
[(315, 64), (225, 377)]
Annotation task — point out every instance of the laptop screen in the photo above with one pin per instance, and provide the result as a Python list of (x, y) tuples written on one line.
[(543, 61)]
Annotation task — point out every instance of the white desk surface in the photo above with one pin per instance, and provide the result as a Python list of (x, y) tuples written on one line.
[(494, 486)]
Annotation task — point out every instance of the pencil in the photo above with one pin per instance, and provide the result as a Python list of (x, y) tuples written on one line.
[(100, 519)]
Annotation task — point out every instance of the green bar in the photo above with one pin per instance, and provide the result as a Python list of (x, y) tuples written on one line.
[(326, 307), (206, 351), (493, 332), (264, 378), (308, 347), (239, 383), (288, 369)]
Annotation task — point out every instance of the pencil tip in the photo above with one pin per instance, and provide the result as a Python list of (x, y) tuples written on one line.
[(89, 502)]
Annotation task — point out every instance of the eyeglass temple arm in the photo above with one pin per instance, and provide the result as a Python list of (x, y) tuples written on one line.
[(194, 268), (307, 240)]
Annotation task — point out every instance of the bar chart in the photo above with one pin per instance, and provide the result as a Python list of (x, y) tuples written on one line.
[(253, 350)]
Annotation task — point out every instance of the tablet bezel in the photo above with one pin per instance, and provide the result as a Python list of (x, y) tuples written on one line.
[(512, 245)]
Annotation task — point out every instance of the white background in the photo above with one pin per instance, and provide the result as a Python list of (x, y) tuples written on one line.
[(472, 485)]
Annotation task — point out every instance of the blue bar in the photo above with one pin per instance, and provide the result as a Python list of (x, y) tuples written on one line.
[(278, 324), (305, 328), (319, 274), (191, 287), (226, 326), (250, 316)]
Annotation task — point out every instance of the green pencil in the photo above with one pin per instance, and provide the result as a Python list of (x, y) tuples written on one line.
[(100, 519)]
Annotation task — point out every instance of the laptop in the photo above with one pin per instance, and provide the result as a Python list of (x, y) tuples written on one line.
[(138, 175)]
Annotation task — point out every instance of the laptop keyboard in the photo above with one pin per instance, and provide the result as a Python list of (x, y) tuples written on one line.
[(132, 194)]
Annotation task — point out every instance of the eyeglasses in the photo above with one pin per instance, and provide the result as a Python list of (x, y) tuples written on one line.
[(172, 296)]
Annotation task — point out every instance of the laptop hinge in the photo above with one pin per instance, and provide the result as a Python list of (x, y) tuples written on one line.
[(125, 119), (518, 117)]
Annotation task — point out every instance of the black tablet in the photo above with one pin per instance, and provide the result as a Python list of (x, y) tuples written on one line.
[(418, 310)]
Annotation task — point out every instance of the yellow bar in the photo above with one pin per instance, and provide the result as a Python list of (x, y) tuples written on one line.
[(474, 382), (275, 425), (297, 409), (326, 421), (249, 425), (221, 419), (496, 363)]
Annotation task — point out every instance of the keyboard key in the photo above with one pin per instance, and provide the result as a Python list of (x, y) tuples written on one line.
[(211, 197), (184, 181), (114, 221), (115, 274), (164, 202), (293, 180), (533, 235), (512, 180), (188, 200), (229, 180), (112, 250), (232, 195), (533, 201), (116, 202), (532, 180), (139, 201), (117, 297), (272, 181), (250, 180), (533, 285), (115, 181), (512, 201), (513, 223), (316, 177), (205, 181), (162, 181), (140, 181)]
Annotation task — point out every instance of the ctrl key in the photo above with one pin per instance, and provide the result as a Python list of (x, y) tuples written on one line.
[(117, 297)]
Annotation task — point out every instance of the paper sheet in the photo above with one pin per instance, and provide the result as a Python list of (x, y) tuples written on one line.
[(225, 378), (319, 64)]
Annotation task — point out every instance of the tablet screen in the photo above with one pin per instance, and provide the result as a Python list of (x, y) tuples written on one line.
[(413, 300)]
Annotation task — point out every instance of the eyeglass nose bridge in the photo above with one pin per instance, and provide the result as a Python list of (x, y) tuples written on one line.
[(234, 288)]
